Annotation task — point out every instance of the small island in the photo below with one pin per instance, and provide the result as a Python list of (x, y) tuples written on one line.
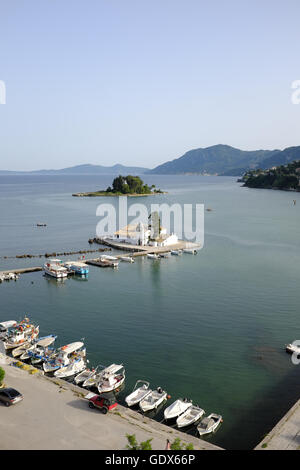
[(283, 177), (124, 186)]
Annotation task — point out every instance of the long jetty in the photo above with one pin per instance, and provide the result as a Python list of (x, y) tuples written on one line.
[(136, 250)]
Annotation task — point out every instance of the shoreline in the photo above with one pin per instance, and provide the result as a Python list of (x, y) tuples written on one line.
[(105, 194)]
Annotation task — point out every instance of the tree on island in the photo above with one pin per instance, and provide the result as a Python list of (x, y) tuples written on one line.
[(130, 185)]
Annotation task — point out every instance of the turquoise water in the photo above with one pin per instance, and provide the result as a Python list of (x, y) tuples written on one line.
[(211, 327)]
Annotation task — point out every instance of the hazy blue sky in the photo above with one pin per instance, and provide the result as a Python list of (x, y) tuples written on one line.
[(140, 82)]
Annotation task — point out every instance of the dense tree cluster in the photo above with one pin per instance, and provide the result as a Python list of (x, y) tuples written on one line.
[(281, 177), (130, 185)]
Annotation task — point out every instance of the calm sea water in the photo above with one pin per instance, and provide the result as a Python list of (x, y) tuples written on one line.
[(210, 327)]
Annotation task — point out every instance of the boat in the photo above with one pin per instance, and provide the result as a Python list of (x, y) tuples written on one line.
[(21, 349), (4, 328), (54, 268), (77, 365), (191, 251), (209, 424), (153, 399), (127, 259), (292, 348), (111, 378), (22, 333), (40, 224), (190, 416), (2, 277), (177, 408), (37, 350), (11, 277), (93, 379), (63, 356), (152, 256), (176, 252), (78, 267), (138, 393), (84, 375), (165, 255)]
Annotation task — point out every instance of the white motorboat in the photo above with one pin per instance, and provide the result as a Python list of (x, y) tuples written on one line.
[(84, 375), (112, 377), (55, 269), (37, 350), (93, 379), (190, 416), (177, 408), (190, 251), (127, 259), (292, 348), (176, 252), (165, 255), (140, 391), (4, 328), (152, 256), (209, 424), (63, 356), (153, 399), (77, 365)]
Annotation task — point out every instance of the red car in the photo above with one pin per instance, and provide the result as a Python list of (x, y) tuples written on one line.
[(105, 402)]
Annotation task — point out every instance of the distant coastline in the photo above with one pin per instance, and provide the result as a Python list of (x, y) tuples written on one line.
[(283, 178)]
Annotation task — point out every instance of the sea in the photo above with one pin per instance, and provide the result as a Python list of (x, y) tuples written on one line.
[(211, 327)]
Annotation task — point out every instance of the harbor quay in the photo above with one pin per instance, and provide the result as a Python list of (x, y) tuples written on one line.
[(54, 415)]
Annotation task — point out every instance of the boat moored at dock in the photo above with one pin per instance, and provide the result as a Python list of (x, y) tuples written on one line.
[(153, 399), (140, 391), (63, 356), (177, 408), (190, 416), (54, 268), (112, 377), (78, 267), (209, 424)]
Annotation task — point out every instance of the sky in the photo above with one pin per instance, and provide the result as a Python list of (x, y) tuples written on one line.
[(141, 82)]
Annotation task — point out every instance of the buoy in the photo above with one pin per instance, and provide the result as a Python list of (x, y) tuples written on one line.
[(168, 397)]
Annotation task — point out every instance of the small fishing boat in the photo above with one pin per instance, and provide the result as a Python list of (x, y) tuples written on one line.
[(78, 267), (23, 333), (36, 350), (190, 251), (177, 408), (209, 424), (16, 352), (152, 256), (54, 268), (190, 416), (94, 378), (77, 365), (63, 356), (127, 259), (176, 252), (140, 391), (153, 399), (112, 377), (4, 328), (84, 375)]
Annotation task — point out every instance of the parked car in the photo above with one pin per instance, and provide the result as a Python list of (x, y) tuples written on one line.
[(104, 402), (10, 396)]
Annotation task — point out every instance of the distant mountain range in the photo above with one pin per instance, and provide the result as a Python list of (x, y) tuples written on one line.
[(226, 161), (220, 160), (84, 170)]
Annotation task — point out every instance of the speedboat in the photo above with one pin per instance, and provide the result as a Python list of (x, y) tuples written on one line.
[(152, 256), (177, 408), (55, 269), (127, 259), (112, 377), (63, 356), (138, 393), (190, 416), (292, 348), (176, 252), (84, 375), (153, 399), (165, 255), (191, 251), (209, 424), (77, 365), (38, 348)]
